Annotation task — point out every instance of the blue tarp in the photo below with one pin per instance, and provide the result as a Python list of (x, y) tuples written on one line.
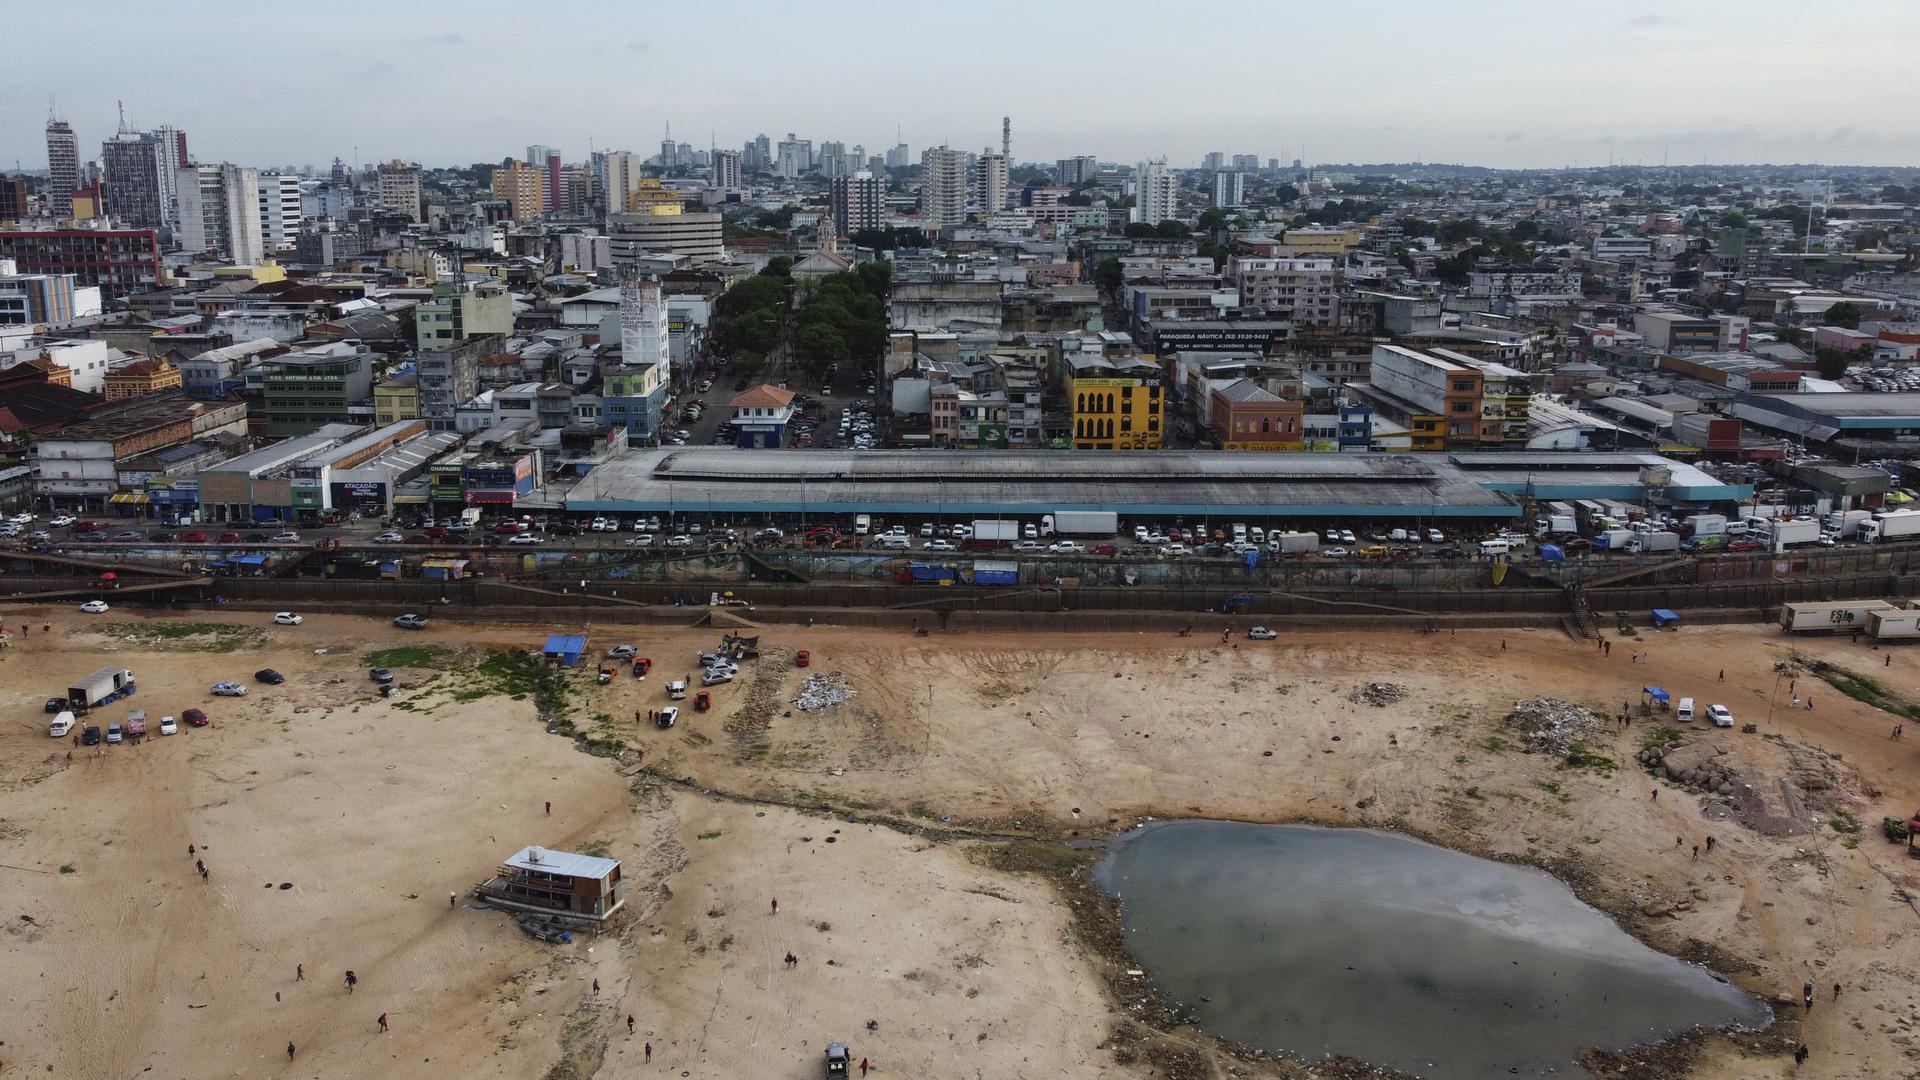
[(565, 648), (1664, 617), (1654, 692), (1552, 553), (249, 560)]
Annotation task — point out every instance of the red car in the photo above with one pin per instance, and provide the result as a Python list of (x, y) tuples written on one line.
[(88, 527), (1743, 545), (195, 718), (1105, 549), (194, 538), (509, 528), (437, 531), (229, 538)]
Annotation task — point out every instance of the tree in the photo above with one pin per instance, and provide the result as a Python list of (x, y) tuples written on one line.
[(1286, 193), (1108, 275), (776, 219), (1832, 363), (818, 347), (1140, 230), (780, 266), (1171, 229), (1212, 218), (1843, 314)]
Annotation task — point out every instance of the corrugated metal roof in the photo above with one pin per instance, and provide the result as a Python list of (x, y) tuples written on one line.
[(565, 863)]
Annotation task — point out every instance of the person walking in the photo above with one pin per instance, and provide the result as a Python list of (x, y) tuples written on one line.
[(1723, 674), (549, 809), (383, 1021), (1709, 843), (299, 973), (352, 981), (1836, 991), (1806, 995), (776, 906), (1889, 659), (596, 986), (289, 1051), (1800, 1054), (450, 897), (629, 1023), (192, 851), (649, 1051), (863, 1066)]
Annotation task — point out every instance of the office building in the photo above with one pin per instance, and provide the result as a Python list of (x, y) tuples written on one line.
[(943, 188), (1154, 189), (220, 212), (1246, 162), (833, 156), (621, 177), (280, 211), (897, 157), (665, 229), (1307, 286), (13, 198), (63, 169), (795, 156), (43, 299), (1115, 404), (119, 261), (858, 202), (1229, 188), (399, 189), (300, 391), (1078, 170), (993, 182), (726, 170), (459, 311), (524, 189), (552, 182), (450, 377), (1214, 162), (173, 158), (132, 163)]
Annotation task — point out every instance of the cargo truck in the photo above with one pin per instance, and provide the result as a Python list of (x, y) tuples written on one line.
[(1845, 524), (995, 531), (1891, 525), (1826, 616), (1703, 543), (1648, 542), (1782, 533), (1288, 543), (1611, 539), (100, 687), (1706, 525), (1080, 523), (1894, 624), (1556, 525)]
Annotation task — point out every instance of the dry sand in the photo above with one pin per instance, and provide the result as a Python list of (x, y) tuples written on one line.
[(375, 810)]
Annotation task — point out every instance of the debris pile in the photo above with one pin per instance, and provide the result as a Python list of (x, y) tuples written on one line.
[(823, 692), (1379, 693), (1693, 763), (1552, 726)]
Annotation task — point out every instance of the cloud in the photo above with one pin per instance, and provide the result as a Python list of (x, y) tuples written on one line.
[(449, 38), (1650, 19), (637, 46)]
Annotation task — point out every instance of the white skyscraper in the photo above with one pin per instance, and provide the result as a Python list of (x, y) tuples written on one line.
[(726, 170), (857, 202), (1229, 188), (63, 167), (279, 210), (943, 187), (993, 182), (400, 188), (220, 212), (1153, 191), (622, 179)]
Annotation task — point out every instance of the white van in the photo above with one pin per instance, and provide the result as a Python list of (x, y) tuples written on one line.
[(1683, 712), (862, 524), (62, 726), (893, 542), (1495, 547)]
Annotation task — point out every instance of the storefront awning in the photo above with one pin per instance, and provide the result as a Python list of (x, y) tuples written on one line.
[(124, 498)]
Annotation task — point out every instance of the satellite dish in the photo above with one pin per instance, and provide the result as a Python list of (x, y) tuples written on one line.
[(535, 854)]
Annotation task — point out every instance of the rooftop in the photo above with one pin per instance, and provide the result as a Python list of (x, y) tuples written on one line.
[(564, 863)]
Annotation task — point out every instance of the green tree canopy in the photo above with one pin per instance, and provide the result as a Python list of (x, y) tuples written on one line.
[(1843, 314)]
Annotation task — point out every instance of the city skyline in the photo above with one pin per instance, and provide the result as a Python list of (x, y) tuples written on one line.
[(1713, 83)]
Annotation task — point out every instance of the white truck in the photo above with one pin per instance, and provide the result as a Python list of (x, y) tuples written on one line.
[(1556, 525), (1891, 525), (1611, 539), (1706, 525), (1288, 543), (1845, 524), (862, 524), (1080, 523), (1648, 541), (1781, 533), (995, 530), (100, 687), (1894, 624), (1826, 616)]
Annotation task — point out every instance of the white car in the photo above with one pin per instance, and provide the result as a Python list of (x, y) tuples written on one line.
[(286, 618), (389, 538), (1067, 547), (1029, 545), (229, 689), (288, 537), (1435, 536), (1336, 552), (679, 541), (942, 545), (1261, 633), (1347, 537), (643, 540), (1720, 716), (94, 607), (1175, 549), (523, 538), (168, 726), (63, 521)]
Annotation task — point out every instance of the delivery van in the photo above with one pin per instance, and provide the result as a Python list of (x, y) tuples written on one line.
[(1684, 711)]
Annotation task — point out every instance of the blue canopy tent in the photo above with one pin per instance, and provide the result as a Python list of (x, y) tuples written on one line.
[(1665, 619), (1658, 695), (1552, 553)]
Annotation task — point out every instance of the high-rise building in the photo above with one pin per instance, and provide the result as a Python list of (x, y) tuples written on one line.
[(400, 189), (120, 261), (726, 170), (134, 163), (795, 156), (1246, 162), (220, 212), (857, 202), (13, 198), (1078, 170), (556, 198), (993, 182), (665, 229), (899, 157), (537, 155), (1229, 188), (943, 187), (280, 210), (1153, 192), (833, 155), (622, 178), (577, 192), (1215, 161), (63, 168)]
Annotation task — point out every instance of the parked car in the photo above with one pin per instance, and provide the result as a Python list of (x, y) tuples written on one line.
[(269, 676), (942, 545), (195, 718), (90, 735), (193, 538), (1067, 547), (229, 689), (94, 607), (287, 537), (1029, 545), (285, 618), (1720, 716), (388, 538), (62, 725), (228, 538), (679, 541), (114, 734), (411, 621), (523, 538), (622, 652), (380, 675), (64, 521), (667, 717), (1261, 633), (55, 704), (168, 726)]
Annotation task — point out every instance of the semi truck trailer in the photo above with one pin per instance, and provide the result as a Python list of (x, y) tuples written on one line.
[(1826, 616), (1080, 523)]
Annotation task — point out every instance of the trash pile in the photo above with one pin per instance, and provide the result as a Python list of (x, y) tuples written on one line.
[(1378, 694), (823, 692), (1552, 726)]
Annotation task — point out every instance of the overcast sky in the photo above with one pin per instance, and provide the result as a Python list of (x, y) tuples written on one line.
[(1474, 81)]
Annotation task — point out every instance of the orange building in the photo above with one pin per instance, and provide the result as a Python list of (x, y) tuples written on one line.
[(1242, 416), (140, 379)]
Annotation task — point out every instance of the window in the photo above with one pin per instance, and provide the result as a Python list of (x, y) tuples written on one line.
[(1266, 426)]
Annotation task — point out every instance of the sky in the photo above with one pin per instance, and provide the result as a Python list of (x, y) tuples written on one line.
[(1505, 83)]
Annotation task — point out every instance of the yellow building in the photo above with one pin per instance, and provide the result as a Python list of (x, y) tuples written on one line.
[(261, 273), (397, 399), (1322, 240), (1116, 404), (140, 379), (651, 196), (524, 187)]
